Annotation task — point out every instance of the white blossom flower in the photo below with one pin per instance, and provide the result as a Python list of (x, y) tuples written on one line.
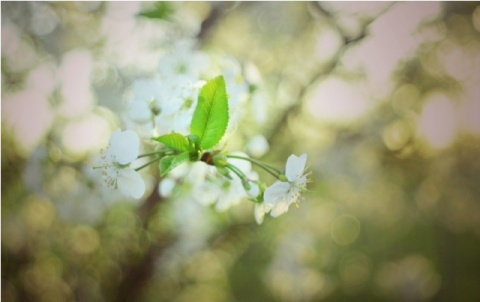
[(123, 148), (130, 183), (282, 194), (162, 105)]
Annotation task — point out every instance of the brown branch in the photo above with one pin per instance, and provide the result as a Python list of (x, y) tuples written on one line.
[(146, 209), (364, 30), (294, 109), (219, 10), (137, 275)]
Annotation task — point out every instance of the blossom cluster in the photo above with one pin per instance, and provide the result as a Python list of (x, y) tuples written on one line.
[(182, 119)]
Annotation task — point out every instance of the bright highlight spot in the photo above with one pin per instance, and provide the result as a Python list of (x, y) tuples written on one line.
[(335, 100), (327, 44), (390, 40), (85, 135), (84, 239), (437, 122), (38, 213), (74, 76), (28, 115), (476, 18), (396, 135)]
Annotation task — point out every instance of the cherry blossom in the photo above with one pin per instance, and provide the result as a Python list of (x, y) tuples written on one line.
[(281, 194), (123, 148)]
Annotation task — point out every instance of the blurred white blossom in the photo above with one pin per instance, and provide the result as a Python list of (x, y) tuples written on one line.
[(257, 146)]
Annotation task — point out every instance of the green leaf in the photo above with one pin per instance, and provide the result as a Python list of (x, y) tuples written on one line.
[(210, 119), (175, 141), (168, 163), (160, 10)]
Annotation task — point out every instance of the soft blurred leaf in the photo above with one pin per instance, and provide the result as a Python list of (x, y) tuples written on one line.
[(161, 10)]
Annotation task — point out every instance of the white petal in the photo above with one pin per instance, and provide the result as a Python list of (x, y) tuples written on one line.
[(124, 146), (267, 207), (165, 187), (145, 90), (292, 196), (254, 190), (295, 166), (276, 192), (139, 111), (259, 213), (279, 209), (130, 183)]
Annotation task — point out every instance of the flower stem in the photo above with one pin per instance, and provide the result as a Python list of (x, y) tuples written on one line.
[(147, 164), (159, 152), (236, 171), (272, 170)]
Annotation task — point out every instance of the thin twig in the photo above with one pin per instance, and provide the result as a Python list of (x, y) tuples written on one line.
[(294, 109), (219, 10)]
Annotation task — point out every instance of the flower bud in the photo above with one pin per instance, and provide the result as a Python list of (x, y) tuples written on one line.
[(219, 160)]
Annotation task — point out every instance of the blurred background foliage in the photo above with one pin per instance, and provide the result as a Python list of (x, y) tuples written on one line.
[(383, 97)]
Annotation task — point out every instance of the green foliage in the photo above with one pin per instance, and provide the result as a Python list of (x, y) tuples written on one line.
[(207, 127), (176, 141), (160, 10), (210, 118), (168, 163)]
